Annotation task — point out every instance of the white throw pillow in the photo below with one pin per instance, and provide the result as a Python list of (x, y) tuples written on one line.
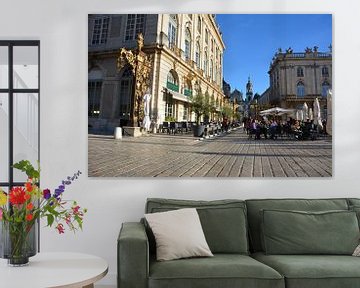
[(178, 234)]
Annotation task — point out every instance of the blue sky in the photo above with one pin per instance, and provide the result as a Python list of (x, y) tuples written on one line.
[(251, 41)]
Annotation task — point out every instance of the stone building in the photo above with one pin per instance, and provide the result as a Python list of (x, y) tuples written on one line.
[(187, 52), (296, 78)]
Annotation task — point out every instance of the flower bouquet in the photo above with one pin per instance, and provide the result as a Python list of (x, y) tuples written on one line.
[(21, 208)]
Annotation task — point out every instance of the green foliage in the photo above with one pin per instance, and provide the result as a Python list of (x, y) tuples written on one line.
[(200, 104), (26, 167), (227, 111), (170, 119)]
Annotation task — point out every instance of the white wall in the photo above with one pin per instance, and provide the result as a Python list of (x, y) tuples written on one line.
[(61, 25)]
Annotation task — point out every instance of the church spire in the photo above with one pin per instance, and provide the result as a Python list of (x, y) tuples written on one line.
[(249, 90)]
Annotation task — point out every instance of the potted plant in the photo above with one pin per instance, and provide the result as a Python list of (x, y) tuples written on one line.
[(21, 208), (200, 106)]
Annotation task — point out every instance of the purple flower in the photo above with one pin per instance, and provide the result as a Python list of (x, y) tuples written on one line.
[(46, 194)]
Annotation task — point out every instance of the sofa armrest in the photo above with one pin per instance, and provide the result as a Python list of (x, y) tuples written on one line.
[(133, 256)]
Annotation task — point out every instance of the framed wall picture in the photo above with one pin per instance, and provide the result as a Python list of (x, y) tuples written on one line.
[(210, 95)]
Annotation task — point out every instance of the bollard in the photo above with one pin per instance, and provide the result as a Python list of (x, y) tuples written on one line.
[(118, 133)]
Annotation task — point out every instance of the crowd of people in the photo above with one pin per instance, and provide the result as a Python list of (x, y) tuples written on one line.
[(274, 128)]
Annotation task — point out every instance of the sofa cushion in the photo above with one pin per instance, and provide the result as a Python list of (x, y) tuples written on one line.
[(223, 221), (356, 209), (222, 270), (313, 271), (178, 234), (254, 216), (297, 232), (353, 201)]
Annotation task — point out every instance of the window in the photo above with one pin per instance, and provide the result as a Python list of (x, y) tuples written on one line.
[(325, 71), (211, 70), (100, 31), (172, 32), (197, 55), (187, 88), (206, 36), (126, 82), (199, 24), (325, 88), (217, 74), (135, 24), (187, 44), (172, 81), (212, 45), (300, 89), (19, 108), (94, 96), (190, 16), (205, 63), (300, 72)]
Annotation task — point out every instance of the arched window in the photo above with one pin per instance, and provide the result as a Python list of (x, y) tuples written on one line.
[(199, 24), (325, 88), (187, 44), (187, 88), (172, 81), (211, 70), (205, 63), (217, 74), (325, 71), (300, 89), (300, 72), (172, 32), (197, 55), (126, 81)]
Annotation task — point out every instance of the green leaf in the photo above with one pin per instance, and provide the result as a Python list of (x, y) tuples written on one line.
[(50, 219)]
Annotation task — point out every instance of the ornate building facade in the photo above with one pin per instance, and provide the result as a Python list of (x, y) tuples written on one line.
[(187, 56), (297, 78)]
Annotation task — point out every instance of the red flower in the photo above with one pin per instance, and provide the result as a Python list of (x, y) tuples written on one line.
[(29, 206), (17, 196), (29, 217), (60, 228), (29, 186), (27, 196)]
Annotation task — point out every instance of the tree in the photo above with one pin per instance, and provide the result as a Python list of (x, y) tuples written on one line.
[(200, 105)]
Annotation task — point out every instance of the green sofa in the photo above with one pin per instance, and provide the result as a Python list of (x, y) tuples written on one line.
[(260, 243)]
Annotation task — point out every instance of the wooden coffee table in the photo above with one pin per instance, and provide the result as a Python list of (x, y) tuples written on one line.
[(50, 270)]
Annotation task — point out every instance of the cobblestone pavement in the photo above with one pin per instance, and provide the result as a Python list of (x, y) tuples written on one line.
[(230, 155)]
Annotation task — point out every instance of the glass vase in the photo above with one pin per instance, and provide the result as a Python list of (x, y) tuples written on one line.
[(18, 242)]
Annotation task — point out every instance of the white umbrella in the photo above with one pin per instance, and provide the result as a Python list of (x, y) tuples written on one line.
[(305, 111), (317, 114), (301, 115), (311, 115)]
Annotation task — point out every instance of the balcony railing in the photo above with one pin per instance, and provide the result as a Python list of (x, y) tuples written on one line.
[(172, 86), (187, 92)]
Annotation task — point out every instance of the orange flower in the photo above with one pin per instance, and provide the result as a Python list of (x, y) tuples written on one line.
[(29, 206), (27, 196), (29, 217)]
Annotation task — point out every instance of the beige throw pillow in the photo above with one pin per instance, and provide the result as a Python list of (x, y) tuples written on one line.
[(357, 251), (178, 234)]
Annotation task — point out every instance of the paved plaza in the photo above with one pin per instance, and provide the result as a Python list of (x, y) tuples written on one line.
[(229, 155)]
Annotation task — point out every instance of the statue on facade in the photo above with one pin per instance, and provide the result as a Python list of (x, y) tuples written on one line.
[(146, 99)]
